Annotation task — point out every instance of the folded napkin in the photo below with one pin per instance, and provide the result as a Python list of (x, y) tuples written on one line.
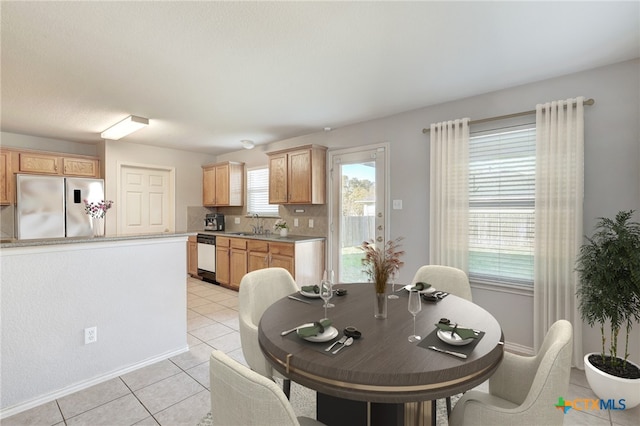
[(318, 327), (419, 286), (310, 289), (464, 333)]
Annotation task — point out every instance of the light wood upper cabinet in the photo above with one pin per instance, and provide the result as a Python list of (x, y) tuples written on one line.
[(297, 175), (83, 167), (39, 163), (223, 184), (6, 178)]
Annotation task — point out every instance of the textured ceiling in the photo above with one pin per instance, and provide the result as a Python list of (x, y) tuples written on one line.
[(208, 74)]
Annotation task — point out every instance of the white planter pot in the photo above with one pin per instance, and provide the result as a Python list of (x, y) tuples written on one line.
[(606, 386)]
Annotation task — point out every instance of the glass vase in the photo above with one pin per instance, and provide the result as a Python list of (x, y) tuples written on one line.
[(380, 306)]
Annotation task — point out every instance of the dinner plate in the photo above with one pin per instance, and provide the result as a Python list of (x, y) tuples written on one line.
[(425, 291), (329, 333), (456, 340), (311, 295)]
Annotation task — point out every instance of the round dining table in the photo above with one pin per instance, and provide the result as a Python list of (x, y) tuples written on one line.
[(382, 378)]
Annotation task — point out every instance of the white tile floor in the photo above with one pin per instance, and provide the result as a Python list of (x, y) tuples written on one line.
[(176, 391)]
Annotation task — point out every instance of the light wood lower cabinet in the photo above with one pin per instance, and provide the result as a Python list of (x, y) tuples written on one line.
[(192, 256), (304, 260), (237, 262), (223, 253), (236, 256)]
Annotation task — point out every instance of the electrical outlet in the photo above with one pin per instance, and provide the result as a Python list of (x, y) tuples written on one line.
[(310, 223), (397, 204), (295, 222), (90, 335), (237, 221)]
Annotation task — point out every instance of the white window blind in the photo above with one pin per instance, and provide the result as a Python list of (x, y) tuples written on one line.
[(502, 206), (258, 193)]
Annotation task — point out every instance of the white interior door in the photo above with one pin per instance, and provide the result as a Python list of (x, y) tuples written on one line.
[(147, 201), (358, 207)]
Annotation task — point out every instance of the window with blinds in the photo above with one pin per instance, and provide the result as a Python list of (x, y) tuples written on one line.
[(258, 193), (502, 206)]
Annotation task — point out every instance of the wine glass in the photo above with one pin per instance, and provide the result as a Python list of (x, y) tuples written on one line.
[(415, 306), (393, 294), (326, 292), (333, 282)]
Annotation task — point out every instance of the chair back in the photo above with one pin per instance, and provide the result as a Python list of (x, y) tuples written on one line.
[(445, 278), (554, 367), (259, 290), (240, 396)]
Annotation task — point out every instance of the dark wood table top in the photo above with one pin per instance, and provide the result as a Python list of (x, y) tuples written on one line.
[(382, 366)]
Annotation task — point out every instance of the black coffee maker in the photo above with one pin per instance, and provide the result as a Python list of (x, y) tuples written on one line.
[(214, 222)]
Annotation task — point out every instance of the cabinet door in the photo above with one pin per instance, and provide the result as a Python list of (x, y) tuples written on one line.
[(222, 185), (209, 186), (237, 267), (278, 179), (281, 261), (6, 179), (83, 167), (192, 256), (40, 163), (222, 265), (257, 255), (299, 178)]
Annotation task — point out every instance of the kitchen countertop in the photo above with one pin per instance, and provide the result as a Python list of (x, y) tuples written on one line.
[(265, 237), (14, 242)]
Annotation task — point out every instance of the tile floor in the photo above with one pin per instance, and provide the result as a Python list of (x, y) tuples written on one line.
[(176, 391)]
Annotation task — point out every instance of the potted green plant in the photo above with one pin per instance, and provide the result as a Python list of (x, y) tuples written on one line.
[(609, 293)]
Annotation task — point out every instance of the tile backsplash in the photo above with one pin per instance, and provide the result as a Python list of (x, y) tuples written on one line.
[(7, 216), (303, 213)]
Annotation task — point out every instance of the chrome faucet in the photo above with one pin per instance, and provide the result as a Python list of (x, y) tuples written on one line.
[(257, 227)]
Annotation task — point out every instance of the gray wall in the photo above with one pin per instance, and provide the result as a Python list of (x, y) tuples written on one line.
[(612, 164)]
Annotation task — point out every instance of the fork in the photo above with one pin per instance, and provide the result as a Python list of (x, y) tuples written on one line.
[(341, 341)]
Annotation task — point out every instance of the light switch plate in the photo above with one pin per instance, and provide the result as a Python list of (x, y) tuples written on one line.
[(237, 221), (397, 204), (310, 223), (295, 222)]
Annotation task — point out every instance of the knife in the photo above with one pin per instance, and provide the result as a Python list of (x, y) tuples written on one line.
[(299, 300), (458, 354)]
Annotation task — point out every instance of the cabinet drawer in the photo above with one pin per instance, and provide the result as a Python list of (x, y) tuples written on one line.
[(222, 241), (238, 243), (261, 246), (284, 249)]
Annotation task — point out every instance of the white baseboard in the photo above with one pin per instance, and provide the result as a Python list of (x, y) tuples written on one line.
[(43, 399), (518, 349)]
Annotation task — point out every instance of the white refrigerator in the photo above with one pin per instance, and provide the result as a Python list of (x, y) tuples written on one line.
[(53, 207)]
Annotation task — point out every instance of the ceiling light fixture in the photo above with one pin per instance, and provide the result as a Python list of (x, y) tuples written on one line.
[(125, 127), (247, 144)]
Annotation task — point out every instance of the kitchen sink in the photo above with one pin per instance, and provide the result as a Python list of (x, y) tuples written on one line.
[(241, 234)]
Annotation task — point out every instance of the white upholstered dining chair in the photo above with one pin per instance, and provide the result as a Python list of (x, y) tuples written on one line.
[(259, 290), (523, 390), (242, 397), (445, 278)]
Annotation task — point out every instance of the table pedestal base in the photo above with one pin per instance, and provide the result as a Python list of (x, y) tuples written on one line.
[(335, 411)]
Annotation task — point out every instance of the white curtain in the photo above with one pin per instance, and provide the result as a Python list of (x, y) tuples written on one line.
[(449, 194), (558, 224)]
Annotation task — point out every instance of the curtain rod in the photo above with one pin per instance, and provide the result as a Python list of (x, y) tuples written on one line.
[(517, 114)]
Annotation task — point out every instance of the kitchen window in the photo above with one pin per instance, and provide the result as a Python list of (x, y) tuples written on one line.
[(502, 206), (258, 193)]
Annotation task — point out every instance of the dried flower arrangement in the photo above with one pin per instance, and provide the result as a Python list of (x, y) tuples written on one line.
[(97, 210), (380, 263)]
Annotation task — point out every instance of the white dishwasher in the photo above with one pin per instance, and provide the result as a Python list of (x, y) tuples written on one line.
[(207, 257)]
